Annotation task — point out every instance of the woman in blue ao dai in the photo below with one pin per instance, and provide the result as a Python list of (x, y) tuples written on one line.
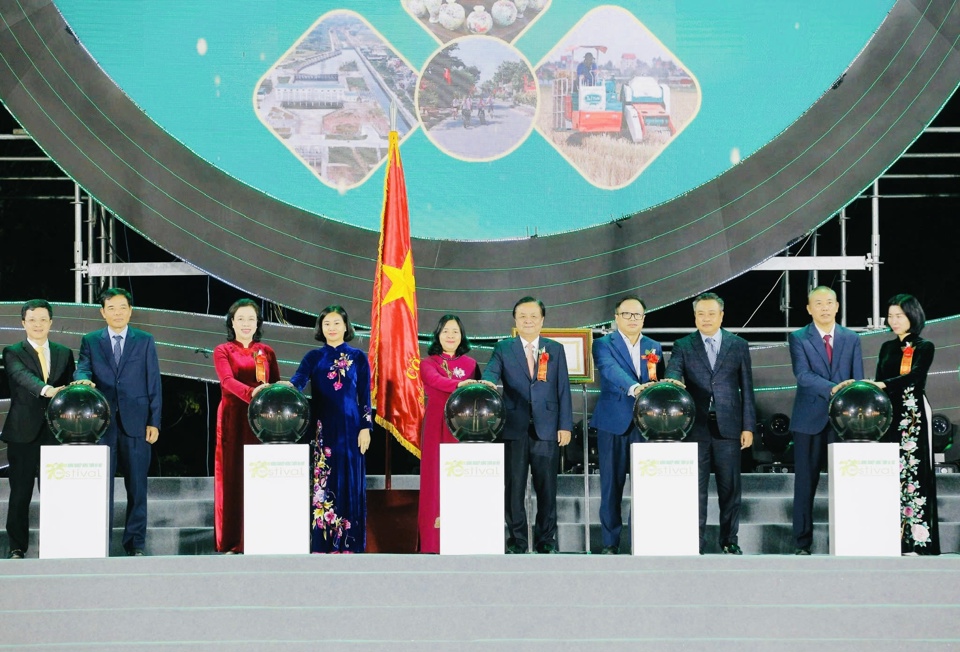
[(339, 377)]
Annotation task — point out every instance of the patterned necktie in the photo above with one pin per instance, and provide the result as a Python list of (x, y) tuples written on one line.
[(826, 341), (43, 364), (116, 349), (530, 359), (712, 352)]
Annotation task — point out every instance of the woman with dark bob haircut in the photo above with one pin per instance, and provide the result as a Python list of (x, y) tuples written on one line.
[(339, 377), (902, 368), (244, 366), (446, 369)]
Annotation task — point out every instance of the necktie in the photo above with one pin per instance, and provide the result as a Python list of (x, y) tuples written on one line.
[(530, 359), (43, 364), (826, 341), (116, 349), (712, 352)]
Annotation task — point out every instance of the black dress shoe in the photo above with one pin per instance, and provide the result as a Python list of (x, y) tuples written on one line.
[(610, 550), (547, 549), (516, 549), (135, 552), (16, 553), (732, 549), (802, 551)]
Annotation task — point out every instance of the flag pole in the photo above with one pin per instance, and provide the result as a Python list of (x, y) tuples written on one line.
[(387, 456)]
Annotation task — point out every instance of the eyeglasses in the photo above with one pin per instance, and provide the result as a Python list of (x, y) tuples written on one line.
[(632, 316)]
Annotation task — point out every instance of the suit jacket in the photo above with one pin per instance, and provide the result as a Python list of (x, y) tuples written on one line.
[(816, 377), (546, 402), (133, 386), (730, 384), (614, 410), (27, 416)]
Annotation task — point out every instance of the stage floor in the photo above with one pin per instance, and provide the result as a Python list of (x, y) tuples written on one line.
[(530, 602)]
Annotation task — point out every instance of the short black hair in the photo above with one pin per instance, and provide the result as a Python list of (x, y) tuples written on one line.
[(912, 309), (543, 308), (629, 297), (35, 304), (436, 348), (232, 312), (109, 293), (340, 310), (708, 296)]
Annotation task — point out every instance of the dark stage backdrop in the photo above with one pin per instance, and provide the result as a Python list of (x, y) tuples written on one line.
[(248, 141)]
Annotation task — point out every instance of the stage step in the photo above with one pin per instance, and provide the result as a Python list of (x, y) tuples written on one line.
[(180, 514)]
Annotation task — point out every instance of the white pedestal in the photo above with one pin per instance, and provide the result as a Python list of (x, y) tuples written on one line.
[(471, 499), (665, 516), (864, 499), (276, 499), (74, 501)]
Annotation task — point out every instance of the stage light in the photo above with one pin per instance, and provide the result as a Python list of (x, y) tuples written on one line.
[(942, 433), (775, 434)]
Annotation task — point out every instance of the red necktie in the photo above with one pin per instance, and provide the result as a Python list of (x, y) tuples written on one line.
[(826, 341)]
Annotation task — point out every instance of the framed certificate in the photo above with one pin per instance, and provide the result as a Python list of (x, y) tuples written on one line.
[(577, 347)]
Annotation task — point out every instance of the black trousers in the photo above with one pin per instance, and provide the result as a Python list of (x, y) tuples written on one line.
[(542, 458), (24, 471)]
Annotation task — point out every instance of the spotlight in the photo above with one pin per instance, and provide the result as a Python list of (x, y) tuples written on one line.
[(775, 434), (773, 446), (942, 433)]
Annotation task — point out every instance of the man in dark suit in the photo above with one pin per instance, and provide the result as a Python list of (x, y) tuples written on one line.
[(37, 369), (824, 355), (122, 363), (539, 418), (714, 364), (627, 362)]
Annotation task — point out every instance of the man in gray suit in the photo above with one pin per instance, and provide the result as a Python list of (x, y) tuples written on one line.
[(714, 365), (824, 355)]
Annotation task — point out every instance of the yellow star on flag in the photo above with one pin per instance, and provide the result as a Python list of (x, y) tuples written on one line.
[(402, 282)]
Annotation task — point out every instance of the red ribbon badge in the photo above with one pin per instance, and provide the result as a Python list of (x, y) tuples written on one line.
[(652, 359), (907, 361), (258, 360), (542, 370)]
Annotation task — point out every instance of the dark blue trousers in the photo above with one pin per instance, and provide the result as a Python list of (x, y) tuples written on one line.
[(131, 455), (722, 456), (614, 453), (809, 452)]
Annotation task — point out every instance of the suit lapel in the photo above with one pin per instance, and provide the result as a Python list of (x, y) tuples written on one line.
[(726, 341), (620, 347), (32, 358), (701, 350), (58, 359), (817, 343), (128, 343), (106, 348), (520, 356)]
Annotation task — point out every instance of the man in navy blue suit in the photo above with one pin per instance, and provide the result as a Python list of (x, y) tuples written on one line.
[(824, 355), (714, 365), (122, 363), (539, 418), (627, 362)]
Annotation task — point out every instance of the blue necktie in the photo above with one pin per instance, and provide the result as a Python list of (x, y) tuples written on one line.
[(712, 352), (116, 349)]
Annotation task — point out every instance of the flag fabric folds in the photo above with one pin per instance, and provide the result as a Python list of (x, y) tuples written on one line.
[(396, 389)]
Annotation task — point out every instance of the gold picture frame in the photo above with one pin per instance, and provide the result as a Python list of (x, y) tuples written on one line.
[(578, 347)]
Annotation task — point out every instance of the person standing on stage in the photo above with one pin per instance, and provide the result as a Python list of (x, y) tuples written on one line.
[(902, 368), (37, 369), (824, 355), (122, 363), (339, 377), (539, 418), (446, 368), (244, 365), (626, 361), (714, 365)]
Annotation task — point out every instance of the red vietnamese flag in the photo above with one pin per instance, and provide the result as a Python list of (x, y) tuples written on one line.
[(396, 390)]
